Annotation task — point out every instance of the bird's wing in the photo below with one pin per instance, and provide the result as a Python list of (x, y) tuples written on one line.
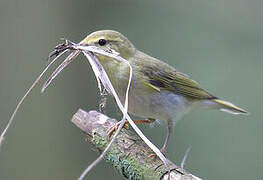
[(174, 81)]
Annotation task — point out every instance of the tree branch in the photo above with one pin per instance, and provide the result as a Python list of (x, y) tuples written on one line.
[(128, 154)]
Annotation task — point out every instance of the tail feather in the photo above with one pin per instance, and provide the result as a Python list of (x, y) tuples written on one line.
[(229, 107)]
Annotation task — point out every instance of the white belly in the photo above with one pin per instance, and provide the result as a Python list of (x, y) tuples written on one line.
[(159, 105)]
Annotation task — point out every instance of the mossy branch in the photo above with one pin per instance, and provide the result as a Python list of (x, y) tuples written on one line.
[(128, 154)]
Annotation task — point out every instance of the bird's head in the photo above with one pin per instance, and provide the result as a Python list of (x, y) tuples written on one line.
[(110, 40)]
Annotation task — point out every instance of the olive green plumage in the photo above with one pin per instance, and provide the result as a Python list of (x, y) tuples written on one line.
[(174, 81), (158, 91)]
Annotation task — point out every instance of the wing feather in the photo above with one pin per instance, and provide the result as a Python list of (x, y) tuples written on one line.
[(176, 82)]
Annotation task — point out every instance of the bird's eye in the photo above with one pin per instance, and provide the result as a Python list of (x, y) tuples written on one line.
[(102, 42)]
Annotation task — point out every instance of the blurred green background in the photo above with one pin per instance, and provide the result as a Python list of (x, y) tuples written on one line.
[(218, 43)]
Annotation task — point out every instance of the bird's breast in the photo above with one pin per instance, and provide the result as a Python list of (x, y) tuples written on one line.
[(145, 103)]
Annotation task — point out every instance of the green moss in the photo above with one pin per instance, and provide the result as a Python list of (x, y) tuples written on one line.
[(100, 142), (126, 165), (130, 167)]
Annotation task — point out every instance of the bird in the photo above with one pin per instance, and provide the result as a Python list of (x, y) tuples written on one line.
[(157, 90)]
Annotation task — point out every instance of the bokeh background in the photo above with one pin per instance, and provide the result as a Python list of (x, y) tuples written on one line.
[(218, 43)]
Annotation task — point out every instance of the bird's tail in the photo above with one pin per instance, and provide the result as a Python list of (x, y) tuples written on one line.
[(229, 107)]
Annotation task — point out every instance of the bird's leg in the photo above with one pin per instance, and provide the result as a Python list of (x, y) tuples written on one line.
[(165, 145), (169, 131), (126, 125)]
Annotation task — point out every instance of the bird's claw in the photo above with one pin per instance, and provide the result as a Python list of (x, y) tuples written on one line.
[(154, 156), (115, 128)]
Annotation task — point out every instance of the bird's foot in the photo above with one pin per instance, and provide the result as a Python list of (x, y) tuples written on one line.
[(126, 125), (154, 156), (115, 128)]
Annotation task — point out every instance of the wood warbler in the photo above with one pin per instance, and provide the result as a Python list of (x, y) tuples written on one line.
[(157, 91)]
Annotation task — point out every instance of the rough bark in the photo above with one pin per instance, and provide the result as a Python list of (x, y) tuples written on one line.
[(128, 154)]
